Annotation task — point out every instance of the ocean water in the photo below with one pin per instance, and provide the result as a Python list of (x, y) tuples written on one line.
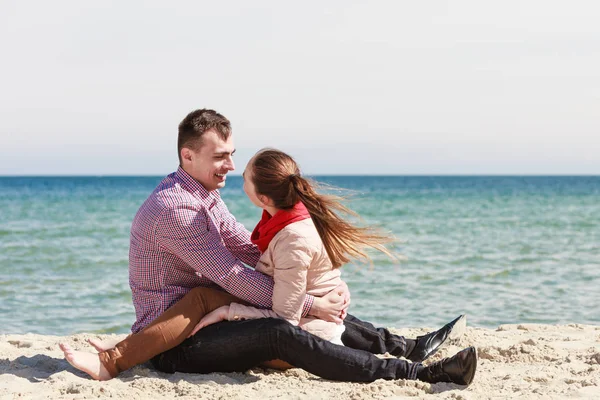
[(500, 249)]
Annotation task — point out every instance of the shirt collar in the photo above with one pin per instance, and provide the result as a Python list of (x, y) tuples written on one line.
[(195, 187)]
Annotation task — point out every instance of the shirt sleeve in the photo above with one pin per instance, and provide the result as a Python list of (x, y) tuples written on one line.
[(190, 235), (237, 238)]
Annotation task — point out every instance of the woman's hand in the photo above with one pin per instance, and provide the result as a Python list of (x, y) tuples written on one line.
[(332, 307), (218, 315)]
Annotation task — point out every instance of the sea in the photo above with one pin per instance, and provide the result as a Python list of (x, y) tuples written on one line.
[(500, 249)]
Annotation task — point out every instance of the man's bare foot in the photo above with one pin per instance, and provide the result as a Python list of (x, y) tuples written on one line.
[(86, 362), (103, 345)]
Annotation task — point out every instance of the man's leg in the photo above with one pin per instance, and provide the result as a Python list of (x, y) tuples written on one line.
[(237, 346), (168, 330), (364, 336)]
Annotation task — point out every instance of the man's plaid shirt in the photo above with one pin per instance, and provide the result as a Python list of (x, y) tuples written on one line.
[(184, 236)]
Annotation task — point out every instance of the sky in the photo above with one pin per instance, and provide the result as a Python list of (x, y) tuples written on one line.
[(346, 87)]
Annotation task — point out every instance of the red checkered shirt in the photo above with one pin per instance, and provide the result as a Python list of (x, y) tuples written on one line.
[(184, 236)]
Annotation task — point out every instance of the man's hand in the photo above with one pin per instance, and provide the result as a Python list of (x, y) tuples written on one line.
[(218, 315), (333, 306)]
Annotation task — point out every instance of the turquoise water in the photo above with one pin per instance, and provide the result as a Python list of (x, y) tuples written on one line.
[(500, 249)]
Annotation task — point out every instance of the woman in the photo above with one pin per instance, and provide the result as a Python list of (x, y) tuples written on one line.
[(303, 243)]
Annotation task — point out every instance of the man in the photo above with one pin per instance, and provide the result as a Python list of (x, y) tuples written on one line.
[(184, 237)]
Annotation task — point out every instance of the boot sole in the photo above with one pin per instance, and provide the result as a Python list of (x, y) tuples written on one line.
[(458, 330), (470, 380), (459, 326)]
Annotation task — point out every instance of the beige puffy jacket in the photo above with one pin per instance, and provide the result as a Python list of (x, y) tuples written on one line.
[(298, 262)]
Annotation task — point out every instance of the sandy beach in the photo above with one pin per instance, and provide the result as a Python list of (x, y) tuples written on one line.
[(527, 361)]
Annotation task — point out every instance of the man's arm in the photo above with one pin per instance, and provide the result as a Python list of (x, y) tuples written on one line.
[(237, 238), (291, 260), (192, 236)]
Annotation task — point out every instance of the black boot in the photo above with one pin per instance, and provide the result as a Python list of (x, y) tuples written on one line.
[(429, 344), (459, 369)]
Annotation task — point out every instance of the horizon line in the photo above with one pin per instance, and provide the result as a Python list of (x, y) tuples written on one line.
[(320, 175)]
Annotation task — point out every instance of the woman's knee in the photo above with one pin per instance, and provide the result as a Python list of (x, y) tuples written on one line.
[(280, 326)]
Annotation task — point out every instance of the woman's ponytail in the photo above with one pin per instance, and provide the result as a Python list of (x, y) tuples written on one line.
[(277, 176)]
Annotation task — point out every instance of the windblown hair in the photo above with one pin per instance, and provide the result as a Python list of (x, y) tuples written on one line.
[(196, 123), (277, 176)]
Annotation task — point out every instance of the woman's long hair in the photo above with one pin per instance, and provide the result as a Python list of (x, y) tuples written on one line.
[(277, 176)]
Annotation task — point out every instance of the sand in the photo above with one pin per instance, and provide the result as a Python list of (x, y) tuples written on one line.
[(527, 361)]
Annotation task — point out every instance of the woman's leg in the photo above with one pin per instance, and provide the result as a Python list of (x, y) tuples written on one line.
[(364, 336), (237, 346), (165, 332)]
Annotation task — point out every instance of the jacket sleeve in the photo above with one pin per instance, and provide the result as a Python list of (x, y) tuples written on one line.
[(239, 311), (291, 258)]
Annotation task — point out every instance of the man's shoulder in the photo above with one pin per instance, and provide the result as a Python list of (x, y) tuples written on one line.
[(170, 194)]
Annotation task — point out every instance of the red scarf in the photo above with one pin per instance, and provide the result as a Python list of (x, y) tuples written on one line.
[(269, 226)]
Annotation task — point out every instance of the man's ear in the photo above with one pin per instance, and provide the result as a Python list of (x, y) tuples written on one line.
[(186, 154)]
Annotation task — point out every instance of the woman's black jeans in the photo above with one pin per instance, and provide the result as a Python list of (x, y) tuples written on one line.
[(236, 346), (364, 336)]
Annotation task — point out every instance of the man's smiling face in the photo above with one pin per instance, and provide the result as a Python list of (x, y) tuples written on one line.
[(210, 163)]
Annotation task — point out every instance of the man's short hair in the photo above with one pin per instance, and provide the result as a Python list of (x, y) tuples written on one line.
[(196, 123)]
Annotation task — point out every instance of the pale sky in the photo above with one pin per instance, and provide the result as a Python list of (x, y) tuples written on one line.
[(396, 87)]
